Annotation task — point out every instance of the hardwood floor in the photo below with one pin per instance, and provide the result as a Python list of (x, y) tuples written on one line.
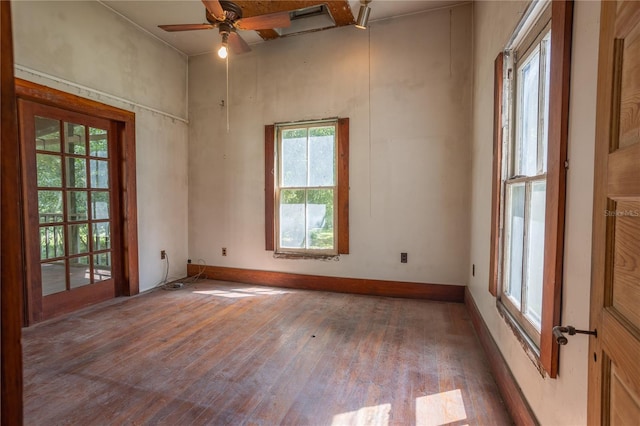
[(227, 353)]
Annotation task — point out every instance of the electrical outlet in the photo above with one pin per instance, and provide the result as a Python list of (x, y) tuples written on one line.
[(403, 258), (163, 254), (224, 251)]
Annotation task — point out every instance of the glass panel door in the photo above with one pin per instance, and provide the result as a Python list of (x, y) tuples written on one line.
[(71, 193), (72, 177)]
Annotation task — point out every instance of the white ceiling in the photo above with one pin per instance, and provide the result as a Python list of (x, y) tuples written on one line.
[(148, 14)]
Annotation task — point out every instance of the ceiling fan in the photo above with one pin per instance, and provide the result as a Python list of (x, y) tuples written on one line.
[(227, 17)]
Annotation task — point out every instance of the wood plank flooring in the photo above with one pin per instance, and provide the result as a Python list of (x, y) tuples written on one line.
[(226, 353)]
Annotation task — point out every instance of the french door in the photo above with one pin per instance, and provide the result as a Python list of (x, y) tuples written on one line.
[(71, 199)]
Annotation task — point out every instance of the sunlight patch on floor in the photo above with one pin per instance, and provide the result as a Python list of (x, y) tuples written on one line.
[(366, 416), (241, 292), (440, 408)]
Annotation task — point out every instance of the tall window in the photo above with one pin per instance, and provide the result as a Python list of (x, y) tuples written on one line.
[(307, 187), (306, 190), (529, 172), (526, 182)]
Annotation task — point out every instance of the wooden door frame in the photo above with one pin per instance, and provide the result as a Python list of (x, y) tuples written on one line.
[(12, 267), (125, 126)]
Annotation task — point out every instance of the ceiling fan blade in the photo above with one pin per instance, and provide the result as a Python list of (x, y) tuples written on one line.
[(264, 22), (186, 27), (237, 44), (215, 9)]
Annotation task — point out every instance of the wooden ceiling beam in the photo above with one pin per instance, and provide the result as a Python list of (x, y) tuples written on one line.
[(340, 10)]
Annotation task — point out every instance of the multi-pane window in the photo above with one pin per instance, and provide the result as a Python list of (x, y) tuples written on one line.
[(525, 180), (306, 188), (531, 112)]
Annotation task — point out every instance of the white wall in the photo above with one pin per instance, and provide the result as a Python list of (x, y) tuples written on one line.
[(407, 92), (86, 44), (560, 401)]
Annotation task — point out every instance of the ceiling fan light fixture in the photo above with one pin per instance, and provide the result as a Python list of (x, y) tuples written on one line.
[(223, 52), (363, 15)]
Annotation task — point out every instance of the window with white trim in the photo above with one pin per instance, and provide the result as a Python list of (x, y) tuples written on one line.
[(531, 114), (525, 179), (306, 188)]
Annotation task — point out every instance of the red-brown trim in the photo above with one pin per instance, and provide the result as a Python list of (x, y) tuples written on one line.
[(33, 298), (130, 208), (343, 186), (117, 262), (48, 96), (439, 292), (512, 396), (11, 256), (561, 32), (126, 126), (269, 162), (496, 181)]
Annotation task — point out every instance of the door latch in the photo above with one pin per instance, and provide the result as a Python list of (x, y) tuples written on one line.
[(558, 333)]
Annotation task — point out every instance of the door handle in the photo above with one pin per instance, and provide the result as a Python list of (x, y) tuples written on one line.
[(561, 339)]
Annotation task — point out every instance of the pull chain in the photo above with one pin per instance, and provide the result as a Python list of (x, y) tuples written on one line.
[(228, 103)]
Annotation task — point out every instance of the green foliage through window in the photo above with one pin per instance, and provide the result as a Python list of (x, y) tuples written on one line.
[(307, 187)]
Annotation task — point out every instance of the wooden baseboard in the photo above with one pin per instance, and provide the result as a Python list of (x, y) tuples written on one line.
[(515, 401), (439, 292)]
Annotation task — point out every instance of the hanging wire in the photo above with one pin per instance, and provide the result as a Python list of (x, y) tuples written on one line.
[(450, 42), (227, 62), (369, 101)]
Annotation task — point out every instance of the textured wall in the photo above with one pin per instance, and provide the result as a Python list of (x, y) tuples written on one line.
[(86, 44), (406, 87)]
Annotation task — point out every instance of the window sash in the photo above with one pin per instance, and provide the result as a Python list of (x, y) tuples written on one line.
[(307, 249), (520, 307), (520, 174), (546, 355), (522, 152), (516, 60), (280, 186)]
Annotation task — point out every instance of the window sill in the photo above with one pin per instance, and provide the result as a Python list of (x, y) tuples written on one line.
[(525, 341), (311, 256)]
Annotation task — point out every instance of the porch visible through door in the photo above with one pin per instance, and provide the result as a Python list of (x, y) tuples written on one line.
[(73, 212)]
